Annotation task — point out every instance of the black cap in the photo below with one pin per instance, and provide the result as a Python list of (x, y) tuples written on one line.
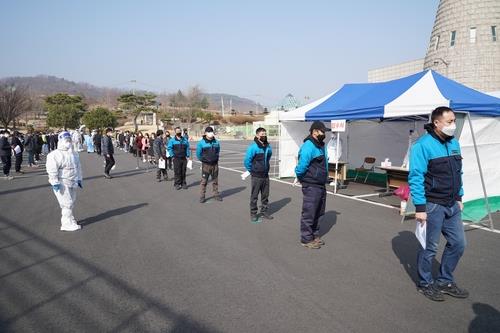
[(318, 125), (209, 129)]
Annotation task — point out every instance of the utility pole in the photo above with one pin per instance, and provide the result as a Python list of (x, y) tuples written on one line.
[(222, 105)]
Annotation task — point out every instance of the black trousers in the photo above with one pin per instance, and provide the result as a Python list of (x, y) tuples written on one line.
[(98, 149), (169, 163), (110, 161), (259, 185), (19, 161), (313, 207), (7, 163), (180, 165)]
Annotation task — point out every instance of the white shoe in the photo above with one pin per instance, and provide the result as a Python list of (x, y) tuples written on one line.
[(71, 227)]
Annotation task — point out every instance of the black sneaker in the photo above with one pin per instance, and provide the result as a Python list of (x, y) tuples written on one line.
[(431, 293), (452, 290)]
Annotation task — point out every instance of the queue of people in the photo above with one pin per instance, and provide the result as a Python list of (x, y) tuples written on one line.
[(435, 159)]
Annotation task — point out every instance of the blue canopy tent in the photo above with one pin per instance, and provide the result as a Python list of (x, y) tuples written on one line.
[(414, 97)]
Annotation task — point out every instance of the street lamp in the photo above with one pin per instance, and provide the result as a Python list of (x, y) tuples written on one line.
[(438, 60)]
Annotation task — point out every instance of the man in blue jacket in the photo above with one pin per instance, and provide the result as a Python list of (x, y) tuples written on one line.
[(178, 148), (256, 162), (207, 152), (435, 181), (312, 172)]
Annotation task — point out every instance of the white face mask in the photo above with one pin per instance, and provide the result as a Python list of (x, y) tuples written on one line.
[(210, 135), (449, 130)]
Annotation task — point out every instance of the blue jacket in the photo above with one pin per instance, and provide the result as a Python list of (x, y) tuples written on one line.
[(257, 159), (312, 167), (207, 151), (178, 148), (435, 171)]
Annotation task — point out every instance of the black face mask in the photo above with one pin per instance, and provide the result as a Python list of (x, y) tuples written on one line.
[(178, 134), (263, 139), (321, 137)]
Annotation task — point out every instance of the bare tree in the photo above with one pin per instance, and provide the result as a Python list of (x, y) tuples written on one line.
[(14, 102)]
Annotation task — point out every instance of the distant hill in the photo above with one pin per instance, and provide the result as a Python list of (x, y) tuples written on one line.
[(44, 85)]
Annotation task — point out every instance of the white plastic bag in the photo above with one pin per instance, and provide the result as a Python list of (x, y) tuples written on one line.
[(244, 175), (162, 164), (190, 164), (421, 233)]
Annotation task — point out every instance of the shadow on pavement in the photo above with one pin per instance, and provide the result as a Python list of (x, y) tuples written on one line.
[(406, 247), (47, 185), (110, 213), (487, 319), (231, 191), (36, 294), (327, 222), (276, 206)]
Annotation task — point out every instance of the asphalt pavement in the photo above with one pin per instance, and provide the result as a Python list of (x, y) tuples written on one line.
[(153, 259)]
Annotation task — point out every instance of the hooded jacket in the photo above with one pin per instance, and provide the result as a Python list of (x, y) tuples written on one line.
[(435, 171), (63, 166), (257, 159), (312, 166)]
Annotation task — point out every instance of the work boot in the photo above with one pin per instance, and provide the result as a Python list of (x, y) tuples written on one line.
[(311, 245), (319, 241), (431, 293)]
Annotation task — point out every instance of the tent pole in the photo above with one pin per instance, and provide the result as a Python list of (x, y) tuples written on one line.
[(490, 219)]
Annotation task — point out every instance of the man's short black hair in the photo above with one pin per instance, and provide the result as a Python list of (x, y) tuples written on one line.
[(438, 112), (109, 129), (159, 132), (177, 128), (260, 129)]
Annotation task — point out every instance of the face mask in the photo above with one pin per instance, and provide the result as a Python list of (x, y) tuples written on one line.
[(449, 130), (263, 139), (321, 137), (178, 134), (210, 135), (66, 144)]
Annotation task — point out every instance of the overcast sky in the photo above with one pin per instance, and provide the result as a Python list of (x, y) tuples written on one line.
[(248, 48)]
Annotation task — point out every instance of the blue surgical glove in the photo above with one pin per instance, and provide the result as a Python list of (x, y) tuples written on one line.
[(80, 184), (56, 187)]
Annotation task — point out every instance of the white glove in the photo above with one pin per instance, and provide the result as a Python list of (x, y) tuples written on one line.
[(244, 175)]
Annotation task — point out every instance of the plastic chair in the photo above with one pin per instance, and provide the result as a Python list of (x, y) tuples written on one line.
[(368, 166)]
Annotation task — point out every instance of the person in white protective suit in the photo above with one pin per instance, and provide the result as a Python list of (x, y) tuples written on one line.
[(77, 140), (65, 174)]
